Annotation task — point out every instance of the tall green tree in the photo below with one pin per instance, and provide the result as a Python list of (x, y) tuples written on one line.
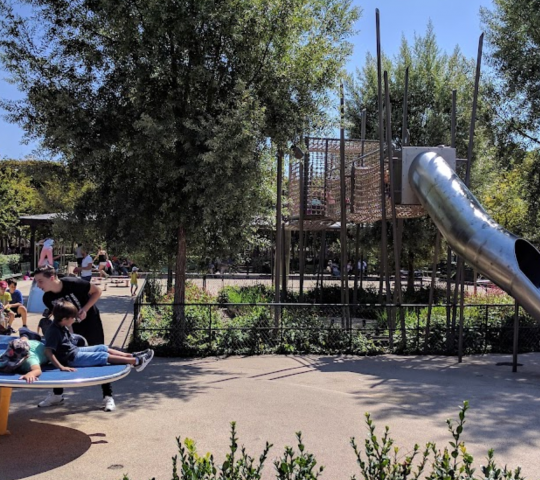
[(166, 106), (513, 38)]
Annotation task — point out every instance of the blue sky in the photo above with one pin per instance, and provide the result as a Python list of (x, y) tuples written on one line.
[(455, 23)]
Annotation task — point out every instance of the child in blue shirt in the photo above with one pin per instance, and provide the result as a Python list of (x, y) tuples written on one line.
[(63, 353), (16, 305)]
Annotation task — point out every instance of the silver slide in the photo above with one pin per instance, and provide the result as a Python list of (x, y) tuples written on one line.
[(507, 260)]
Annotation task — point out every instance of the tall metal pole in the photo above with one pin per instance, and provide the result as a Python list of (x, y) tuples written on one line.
[(390, 151), (384, 245), (515, 345), (301, 255), (432, 287), (357, 244), (279, 244), (343, 211), (451, 313), (468, 177)]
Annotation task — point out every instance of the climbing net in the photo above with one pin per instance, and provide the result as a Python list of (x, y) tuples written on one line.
[(322, 185)]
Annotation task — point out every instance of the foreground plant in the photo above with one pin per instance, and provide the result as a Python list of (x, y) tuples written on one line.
[(380, 460)]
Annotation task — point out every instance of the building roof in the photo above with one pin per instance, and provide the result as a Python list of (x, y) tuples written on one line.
[(39, 220)]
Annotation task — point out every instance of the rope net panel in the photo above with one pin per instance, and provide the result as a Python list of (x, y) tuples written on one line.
[(322, 185)]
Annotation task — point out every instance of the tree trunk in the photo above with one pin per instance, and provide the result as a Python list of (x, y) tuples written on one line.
[(179, 319)]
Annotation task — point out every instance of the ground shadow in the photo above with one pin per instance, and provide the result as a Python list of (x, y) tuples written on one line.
[(36, 447)]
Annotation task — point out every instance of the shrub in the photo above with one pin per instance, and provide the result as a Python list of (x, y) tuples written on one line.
[(380, 460)]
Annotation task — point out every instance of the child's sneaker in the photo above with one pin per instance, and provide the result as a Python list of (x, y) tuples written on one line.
[(51, 400), (144, 360), (108, 404), (143, 352)]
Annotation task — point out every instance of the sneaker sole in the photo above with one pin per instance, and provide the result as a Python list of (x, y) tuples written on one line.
[(52, 404)]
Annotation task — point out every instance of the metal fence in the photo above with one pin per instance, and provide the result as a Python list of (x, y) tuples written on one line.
[(367, 329)]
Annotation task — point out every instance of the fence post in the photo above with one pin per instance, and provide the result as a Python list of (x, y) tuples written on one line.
[(418, 329), (486, 329), (209, 328), (136, 309), (516, 339)]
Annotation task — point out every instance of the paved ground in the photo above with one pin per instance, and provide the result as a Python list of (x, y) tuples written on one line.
[(271, 397)]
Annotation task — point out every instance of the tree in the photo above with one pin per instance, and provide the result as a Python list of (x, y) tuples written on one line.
[(17, 197), (166, 106), (513, 38)]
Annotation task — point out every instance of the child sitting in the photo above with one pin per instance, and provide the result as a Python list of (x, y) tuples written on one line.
[(24, 356), (62, 352)]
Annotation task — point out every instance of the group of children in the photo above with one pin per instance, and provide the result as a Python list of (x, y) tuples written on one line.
[(62, 348)]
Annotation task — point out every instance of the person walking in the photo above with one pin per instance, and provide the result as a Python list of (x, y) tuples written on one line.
[(102, 257), (84, 295)]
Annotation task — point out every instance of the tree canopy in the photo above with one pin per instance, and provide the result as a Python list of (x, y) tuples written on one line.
[(166, 107), (513, 35)]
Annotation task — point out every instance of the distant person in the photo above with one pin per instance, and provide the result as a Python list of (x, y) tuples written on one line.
[(5, 300), (102, 257), (87, 265), (79, 254), (46, 256), (133, 280), (16, 305)]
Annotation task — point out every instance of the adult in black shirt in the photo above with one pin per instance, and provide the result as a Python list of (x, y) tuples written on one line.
[(84, 296)]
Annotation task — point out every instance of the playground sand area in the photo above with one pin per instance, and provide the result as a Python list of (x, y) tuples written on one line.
[(271, 398)]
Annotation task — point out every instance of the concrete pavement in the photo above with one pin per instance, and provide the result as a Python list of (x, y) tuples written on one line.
[(270, 398)]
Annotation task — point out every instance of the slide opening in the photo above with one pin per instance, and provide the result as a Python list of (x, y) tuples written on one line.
[(528, 259)]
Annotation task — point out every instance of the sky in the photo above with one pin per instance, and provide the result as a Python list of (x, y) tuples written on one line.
[(455, 23)]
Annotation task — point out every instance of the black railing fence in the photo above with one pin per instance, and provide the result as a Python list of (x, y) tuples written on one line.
[(367, 329)]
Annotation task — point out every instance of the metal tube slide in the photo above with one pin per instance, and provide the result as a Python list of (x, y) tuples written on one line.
[(507, 260)]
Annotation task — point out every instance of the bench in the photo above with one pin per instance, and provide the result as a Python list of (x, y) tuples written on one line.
[(119, 281), (54, 378)]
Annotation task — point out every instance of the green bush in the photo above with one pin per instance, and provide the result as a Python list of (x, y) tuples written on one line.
[(12, 261), (380, 460)]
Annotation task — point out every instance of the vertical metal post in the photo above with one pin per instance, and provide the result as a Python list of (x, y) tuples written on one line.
[(357, 246), (285, 246), (277, 296), (384, 274), (301, 255), (356, 261), (432, 288), (343, 216), (468, 176), (516, 339), (397, 259), (323, 258), (405, 139), (451, 311), (209, 328)]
